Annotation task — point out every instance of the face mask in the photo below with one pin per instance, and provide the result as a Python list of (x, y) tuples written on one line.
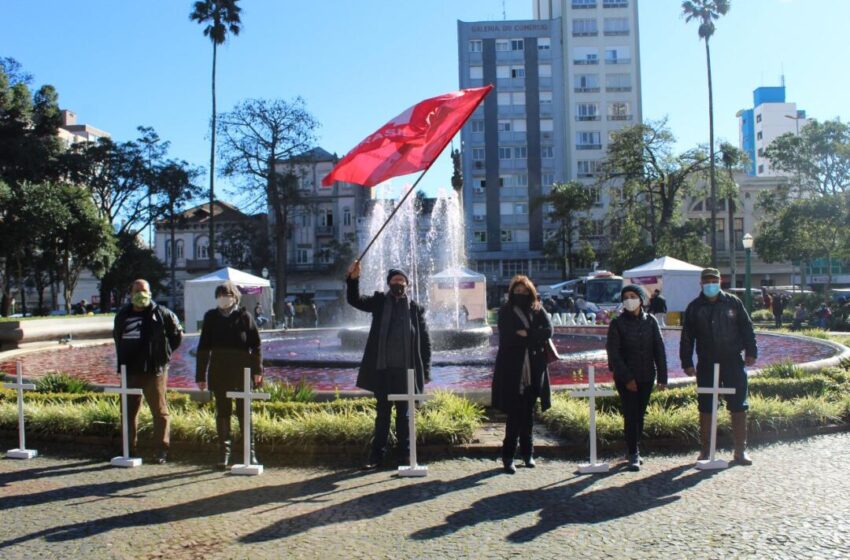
[(710, 290), (225, 302), (141, 299), (522, 300), (631, 304), (397, 289)]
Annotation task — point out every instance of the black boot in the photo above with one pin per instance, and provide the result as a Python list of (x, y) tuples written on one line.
[(253, 457), (224, 443)]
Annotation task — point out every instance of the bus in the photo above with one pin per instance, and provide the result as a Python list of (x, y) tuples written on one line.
[(601, 288)]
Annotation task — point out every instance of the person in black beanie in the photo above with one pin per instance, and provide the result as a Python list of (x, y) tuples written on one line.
[(398, 340), (636, 356)]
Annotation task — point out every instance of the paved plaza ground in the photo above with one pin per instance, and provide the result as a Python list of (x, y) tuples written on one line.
[(793, 503)]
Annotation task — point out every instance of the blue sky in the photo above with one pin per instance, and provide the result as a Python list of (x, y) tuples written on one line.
[(121, 63)]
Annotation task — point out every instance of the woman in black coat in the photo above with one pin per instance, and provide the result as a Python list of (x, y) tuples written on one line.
[(521, 375), (230, 342), (636, 356)]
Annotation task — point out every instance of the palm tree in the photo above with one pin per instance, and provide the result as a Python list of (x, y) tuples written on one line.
[(706, 12), (219, 17)]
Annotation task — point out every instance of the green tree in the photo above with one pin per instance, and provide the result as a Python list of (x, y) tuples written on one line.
[(246, 245), (263, 143), (627, 247), (134, 261), (219, 17), (567, 203), (706, 12)]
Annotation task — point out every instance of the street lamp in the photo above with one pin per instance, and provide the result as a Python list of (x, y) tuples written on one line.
[(747, 242)]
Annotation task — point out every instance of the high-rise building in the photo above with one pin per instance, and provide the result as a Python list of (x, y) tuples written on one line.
[(564, 81), (770, 117)]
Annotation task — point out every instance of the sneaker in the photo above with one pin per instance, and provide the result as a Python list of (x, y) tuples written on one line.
[(162, 458), (529, 463), (634, 463), (508, 466)]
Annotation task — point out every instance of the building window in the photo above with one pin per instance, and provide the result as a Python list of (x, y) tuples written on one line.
[(520, 208), (544, 70), (588, 141), (619, 111), (545, 97), (547, 179), (618, 55), (518, 98), (478, 125), (586, 168), (592, 228), (503, 45), (478, 153), (517, 71), (521, 152), (587, 83), (326, 217), (503, 71), (302, 256), (759, 135), (522, 180), (585, 55), (618, 82), (547, 125), (587, 111), (518, 125), (758, 118), (615, 3), (506, 180), (761, 152), (503, 98), (512, 267), (761, 168), (506, 209), (346, 216), (583, 4), (503, 126), (595, 195), (547, 152), (544, 43), (476, 72), (585, 27), (475, 45), (504, 153), (616, 26), (517, 44), (507, 236), (479, 236)]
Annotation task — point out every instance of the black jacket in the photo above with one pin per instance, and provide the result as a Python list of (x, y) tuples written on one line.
[(161, 335), (636, 349), (228, 345), (720, 331), (509, 359), (367, 377), (658, 304)]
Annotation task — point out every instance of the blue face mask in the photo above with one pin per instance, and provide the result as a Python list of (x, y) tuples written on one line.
[(710, 290)]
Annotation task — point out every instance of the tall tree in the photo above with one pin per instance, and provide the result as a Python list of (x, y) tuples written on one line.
[(706, 12), (567, 203), (219, 17), (174, 183), (263, 143)]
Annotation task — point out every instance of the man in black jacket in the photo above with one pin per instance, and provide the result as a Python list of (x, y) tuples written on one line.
[(145, 336), (658, 308), (721, 328), (398, 339)]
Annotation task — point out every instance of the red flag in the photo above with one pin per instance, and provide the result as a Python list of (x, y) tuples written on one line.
[(410, 142)]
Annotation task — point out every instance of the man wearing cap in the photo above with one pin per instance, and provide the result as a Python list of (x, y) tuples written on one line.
[(720, 326), (398, 340)]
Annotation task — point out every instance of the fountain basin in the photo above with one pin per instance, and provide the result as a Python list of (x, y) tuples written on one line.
[(441, 339)]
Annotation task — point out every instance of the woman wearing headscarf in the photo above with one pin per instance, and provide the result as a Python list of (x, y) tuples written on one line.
[(230, 342), (521, 374), (636, 356)]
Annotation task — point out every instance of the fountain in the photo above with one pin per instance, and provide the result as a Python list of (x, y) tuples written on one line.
[(434, 259)]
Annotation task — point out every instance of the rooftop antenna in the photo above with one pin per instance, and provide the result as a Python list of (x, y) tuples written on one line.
[(504, 14), (782, 75)]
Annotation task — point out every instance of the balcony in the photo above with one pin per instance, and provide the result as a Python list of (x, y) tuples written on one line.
[(618, 89), (618, 61), (617, 33), (615, 3), (588, 146), (620, 117), (194, 265), (587, 117), (587, 89), (325, 231), (586, 61)]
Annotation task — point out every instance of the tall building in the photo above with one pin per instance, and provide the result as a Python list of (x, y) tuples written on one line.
[(770, 117), (564, 81)]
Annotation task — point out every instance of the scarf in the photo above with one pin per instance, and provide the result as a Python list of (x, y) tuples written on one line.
[(525, 378), (386, 317)]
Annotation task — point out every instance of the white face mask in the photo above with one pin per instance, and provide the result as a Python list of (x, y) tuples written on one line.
[(225, 302), (631, 304)]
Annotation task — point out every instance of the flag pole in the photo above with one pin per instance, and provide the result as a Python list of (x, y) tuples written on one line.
[(397, 206)]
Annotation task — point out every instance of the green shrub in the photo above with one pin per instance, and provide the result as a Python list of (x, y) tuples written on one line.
[(283, 391), (762, 315), (784, 370), (62, 383), (448, 418), (792, 388)]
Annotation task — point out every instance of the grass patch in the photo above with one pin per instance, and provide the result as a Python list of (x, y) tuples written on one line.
[(283, 391), (56, 382)]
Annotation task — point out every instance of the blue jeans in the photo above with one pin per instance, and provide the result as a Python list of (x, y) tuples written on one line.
[(732, 375)]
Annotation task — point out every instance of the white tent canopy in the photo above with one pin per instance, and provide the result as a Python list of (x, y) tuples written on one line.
[(677, 280), (199, 294), (471, 292)]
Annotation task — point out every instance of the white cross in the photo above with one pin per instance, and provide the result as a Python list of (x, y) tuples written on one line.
[(411, 397), (125, 460), (711, 463), (21, 452), (246, 468), (591, 393)]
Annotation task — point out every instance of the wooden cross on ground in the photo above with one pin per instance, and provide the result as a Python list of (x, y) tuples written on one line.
[(590, 394), (247, 396), (21, 452), (715, 391), (125, 460), (413, 469)]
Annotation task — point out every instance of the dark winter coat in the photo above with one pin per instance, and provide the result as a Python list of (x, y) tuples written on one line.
[(161, 335), (227, 346), (509, 359), (719, 330), (367, 376), (657, 304), (636, 349)]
